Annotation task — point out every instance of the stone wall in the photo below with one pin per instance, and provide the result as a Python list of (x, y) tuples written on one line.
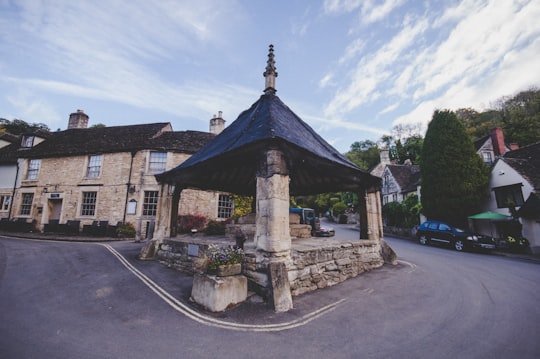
[(313, 265), (317, 268)]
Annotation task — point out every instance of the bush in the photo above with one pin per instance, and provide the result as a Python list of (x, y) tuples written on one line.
[(126, 230), (216, 227), (189, 222), (338, 209)]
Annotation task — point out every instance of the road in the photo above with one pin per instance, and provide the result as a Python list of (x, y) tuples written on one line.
[(80, 300)]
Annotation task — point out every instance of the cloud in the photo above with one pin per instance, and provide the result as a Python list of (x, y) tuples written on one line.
[(371, 72)]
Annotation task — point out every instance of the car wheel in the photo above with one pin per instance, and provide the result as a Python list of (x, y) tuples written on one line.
[(458, 245), (423, 240)]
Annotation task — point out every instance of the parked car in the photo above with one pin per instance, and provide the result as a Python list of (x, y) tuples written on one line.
[(307, 216), (440, 232)]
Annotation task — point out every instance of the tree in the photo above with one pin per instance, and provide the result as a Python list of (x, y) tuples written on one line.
[(521, 117), (18, 127), (365, 154), (454, 178)]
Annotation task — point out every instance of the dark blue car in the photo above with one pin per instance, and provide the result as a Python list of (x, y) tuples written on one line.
[(443, 233)]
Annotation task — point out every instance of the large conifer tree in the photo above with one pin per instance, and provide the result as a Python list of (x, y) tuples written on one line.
[(454, 178)]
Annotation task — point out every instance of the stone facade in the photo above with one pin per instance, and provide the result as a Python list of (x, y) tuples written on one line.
[(122, 182)]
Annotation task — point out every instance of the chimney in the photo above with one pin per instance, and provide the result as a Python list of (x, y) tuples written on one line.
[(217, 124), (385, 156), (497, 140), (78, 120)]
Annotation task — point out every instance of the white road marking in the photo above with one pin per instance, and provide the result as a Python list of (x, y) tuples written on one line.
[(200, 318)]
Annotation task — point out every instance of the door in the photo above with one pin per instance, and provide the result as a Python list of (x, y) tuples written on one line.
[(55, 210)]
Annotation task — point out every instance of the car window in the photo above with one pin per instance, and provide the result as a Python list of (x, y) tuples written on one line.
[(432, 226), (444, 227)]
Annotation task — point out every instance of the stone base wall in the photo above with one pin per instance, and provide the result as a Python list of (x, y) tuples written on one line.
[(309, 267), (318, 268)]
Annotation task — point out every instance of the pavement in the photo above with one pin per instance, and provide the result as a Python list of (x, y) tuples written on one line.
[(252, 315)]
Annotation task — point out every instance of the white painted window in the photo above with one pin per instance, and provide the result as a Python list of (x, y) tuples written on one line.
[(26, 204), (94, 166), (150, 203), (88, 206), (33, 169), (158, 162), (225, 206), (5, 200)]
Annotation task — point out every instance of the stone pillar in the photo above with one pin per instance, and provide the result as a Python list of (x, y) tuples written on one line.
[(374, 215), (166, 214), (363, 214), (272, 234)]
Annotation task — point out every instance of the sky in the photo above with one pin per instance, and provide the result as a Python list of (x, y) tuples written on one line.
[(351, 69)]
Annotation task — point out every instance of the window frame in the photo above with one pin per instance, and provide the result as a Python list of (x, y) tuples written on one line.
[(32, 172), (157, 162), (95, 164), (5, 200), (27, 141), (88, 203), (150, 203), (27, 199), (505, 194), (225, 206)]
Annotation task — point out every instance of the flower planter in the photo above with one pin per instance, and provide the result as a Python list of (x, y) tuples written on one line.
[(229, 270)]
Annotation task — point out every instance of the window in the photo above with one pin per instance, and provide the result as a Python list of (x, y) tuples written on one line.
[(509, 195), (150, 203), (33, 169), (5, 200), (225, 206), (27, 141), (88, 207), (94, 166), (486, 156), (26, 204), (158, 161)]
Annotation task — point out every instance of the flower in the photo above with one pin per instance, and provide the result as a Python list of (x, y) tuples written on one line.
[(218, 256)]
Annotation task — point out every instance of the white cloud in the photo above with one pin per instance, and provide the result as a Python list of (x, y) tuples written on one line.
[(372, 13), (370, 73)]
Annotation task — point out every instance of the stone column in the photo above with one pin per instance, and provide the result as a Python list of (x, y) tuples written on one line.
[(363, 214), (168, 206), (374, 215), (272, 233)]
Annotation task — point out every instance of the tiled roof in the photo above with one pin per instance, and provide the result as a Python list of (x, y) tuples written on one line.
[(406, 176), (526, 161), (158, 136), (8, 154), (234, 155)]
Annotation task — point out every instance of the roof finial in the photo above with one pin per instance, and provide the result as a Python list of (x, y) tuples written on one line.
[(270, 74)]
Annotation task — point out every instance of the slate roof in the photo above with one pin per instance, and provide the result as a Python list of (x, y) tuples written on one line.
[(8, 154), (154, 136), (406, 176), (526, 161), (229, 162), (531, 208)]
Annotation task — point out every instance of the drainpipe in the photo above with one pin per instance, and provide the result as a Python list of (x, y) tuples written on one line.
[(133, 153), (13, 192)]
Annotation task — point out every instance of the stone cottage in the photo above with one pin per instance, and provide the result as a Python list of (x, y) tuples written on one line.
[(96, 178)]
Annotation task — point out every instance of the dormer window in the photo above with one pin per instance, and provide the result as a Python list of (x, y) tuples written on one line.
[(27, 141), (94, 166), (487, 157)]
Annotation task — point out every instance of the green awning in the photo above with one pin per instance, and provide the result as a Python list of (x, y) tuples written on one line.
[(489, 215)]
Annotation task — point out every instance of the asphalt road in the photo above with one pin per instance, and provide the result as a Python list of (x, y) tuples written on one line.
[(88, 300)]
